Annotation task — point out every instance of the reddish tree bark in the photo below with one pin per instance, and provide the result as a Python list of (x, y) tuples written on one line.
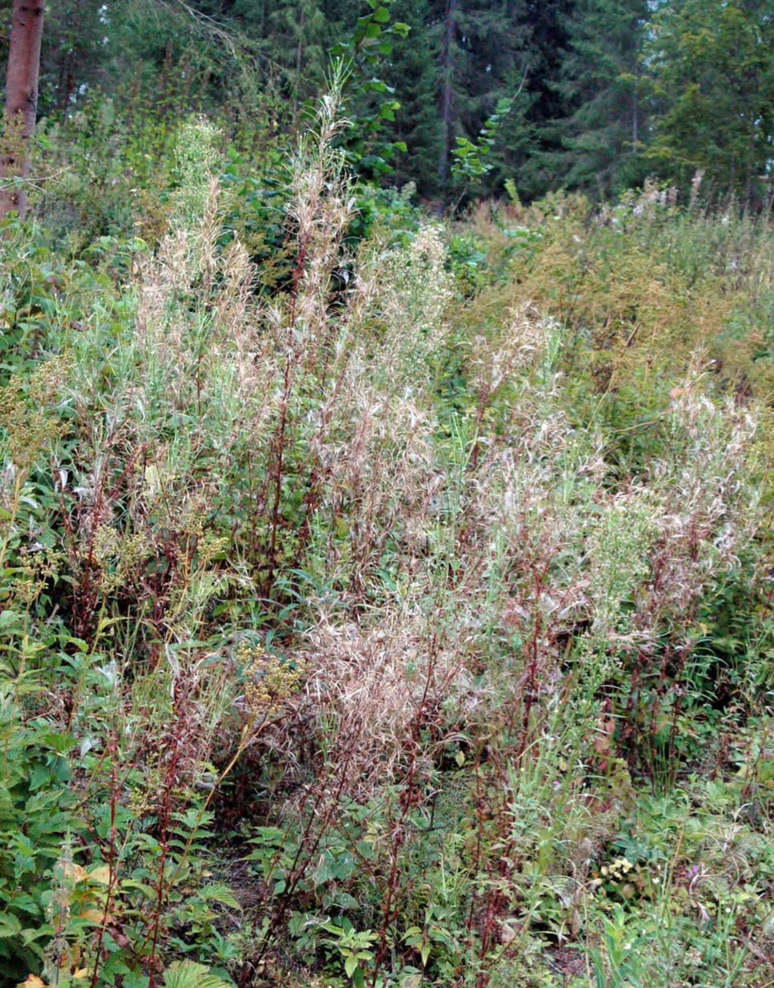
[(21, 101)]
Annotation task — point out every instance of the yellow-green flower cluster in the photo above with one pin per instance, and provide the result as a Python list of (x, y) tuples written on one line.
[(613, 872), (36, 569), (269, 680), (25, 411)]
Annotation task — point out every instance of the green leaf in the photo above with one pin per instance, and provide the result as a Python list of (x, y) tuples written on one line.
[(11, 620), (188, 974), (147, 890), (9, 926), (219, 892), (61, 743)]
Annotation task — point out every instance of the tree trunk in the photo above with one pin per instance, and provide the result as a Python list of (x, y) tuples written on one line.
[(21, 102)]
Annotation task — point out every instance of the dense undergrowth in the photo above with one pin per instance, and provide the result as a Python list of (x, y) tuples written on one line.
[(387, 603)]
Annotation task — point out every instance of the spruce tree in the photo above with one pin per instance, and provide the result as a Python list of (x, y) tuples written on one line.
[(529, 138), (483, 53), (601, 74), (295, 36), (414, 74)]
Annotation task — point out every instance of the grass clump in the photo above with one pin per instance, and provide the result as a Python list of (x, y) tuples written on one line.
[(407, 625)]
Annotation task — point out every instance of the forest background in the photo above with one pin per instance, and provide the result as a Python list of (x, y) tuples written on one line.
[(594, 95)]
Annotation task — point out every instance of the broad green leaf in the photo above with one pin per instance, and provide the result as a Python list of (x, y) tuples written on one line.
[(189, 974)]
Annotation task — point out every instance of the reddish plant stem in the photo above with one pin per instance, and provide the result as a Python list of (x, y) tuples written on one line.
[(280, 440), (406, 802), (112, 859), (308, 844)]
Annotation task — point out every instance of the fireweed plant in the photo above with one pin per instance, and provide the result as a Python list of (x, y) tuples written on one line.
[(381, 632)]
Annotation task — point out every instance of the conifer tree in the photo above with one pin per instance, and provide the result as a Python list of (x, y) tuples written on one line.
[(483, 49), (601, 74), (414, 74), (296, 36), (530, 138)]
